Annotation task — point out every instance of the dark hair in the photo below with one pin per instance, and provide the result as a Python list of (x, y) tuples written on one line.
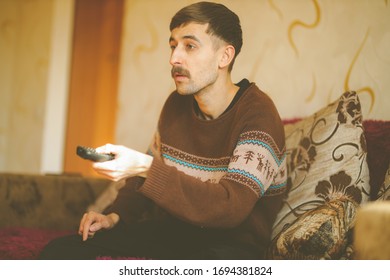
[(223, 23)]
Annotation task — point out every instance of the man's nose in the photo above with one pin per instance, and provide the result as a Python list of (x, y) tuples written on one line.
[(176, 57)]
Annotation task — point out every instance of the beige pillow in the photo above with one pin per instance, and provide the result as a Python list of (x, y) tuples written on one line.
[(326, 159), (322, 233), (384, 190)]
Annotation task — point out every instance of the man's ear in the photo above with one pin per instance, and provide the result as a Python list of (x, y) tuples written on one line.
[(227, 56)]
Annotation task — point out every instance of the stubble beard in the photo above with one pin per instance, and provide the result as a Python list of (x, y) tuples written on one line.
[(190, 87)]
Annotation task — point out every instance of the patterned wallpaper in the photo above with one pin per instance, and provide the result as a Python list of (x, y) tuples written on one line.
[(303, 53)]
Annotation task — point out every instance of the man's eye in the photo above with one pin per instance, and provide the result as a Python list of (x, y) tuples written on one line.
[(172, 47), (191, 47)]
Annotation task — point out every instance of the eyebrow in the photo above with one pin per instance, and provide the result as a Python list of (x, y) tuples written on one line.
[(192, 37)]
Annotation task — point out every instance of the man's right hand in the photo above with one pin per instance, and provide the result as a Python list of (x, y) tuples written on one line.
[(127, 162), (92, 222)]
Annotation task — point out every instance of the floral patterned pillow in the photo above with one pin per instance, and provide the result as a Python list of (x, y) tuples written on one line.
[(384, 191), (326, 158), (322, 233)]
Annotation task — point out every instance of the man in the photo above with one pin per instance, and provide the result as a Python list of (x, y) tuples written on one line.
[(214, 177)]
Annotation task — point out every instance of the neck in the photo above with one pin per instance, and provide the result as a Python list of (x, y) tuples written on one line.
[(215, 100)]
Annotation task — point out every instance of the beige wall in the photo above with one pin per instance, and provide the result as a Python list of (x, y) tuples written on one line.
[(303, 53), (24, 55), (34, 60)]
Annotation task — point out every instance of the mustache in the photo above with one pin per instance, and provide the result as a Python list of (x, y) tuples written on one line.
[(179, 71)]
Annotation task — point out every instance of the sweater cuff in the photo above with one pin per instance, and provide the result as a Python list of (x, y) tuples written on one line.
[(156, 181)]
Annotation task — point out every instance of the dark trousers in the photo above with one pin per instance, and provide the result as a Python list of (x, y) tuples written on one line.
[(150, 240)]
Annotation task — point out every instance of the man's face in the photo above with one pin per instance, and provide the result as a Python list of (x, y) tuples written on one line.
[(194, 58)]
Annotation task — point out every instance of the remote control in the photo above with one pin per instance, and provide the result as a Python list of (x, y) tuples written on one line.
[(91, 154)]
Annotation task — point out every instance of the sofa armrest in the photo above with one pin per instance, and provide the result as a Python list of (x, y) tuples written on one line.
[(46, 201), (372, 231)]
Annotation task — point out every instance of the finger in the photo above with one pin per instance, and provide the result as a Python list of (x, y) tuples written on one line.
[(81, 226), (85, 234), (108, 174), (95, 227), (116, 176), (101, 149), (91, 234), (87, 224), (99, 166), (103, 166), (108, 148), (108, 170)]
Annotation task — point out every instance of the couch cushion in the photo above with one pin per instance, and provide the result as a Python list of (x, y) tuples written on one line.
[(321, 233), (326, 159), (51, 202)]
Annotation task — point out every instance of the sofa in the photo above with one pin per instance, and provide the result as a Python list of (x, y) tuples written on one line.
[(337, 164), (36, 208)]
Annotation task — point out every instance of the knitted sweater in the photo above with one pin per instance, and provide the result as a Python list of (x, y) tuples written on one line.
[(227, 173)]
